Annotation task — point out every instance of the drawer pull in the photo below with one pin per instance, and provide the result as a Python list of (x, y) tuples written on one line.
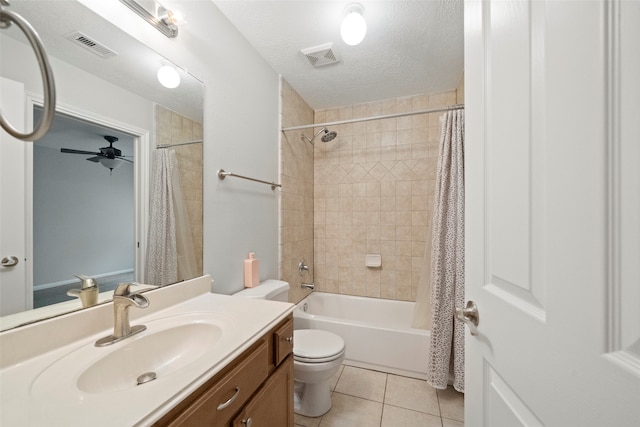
[(230, 401), (247, 422), (289, 340)]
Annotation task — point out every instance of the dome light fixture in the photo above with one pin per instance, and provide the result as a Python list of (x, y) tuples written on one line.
[(110, 163), (354, 27), (168, 77)]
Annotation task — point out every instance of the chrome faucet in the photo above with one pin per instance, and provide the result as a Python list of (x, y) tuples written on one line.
[(123, 299), (304, 285)]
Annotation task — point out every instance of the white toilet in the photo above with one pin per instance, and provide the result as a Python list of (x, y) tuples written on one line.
[(317, 355)]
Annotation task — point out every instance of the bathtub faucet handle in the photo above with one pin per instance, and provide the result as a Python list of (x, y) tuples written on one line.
[(302, 268), (304, 285)]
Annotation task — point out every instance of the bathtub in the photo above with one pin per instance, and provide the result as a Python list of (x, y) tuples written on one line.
[(377, 332)]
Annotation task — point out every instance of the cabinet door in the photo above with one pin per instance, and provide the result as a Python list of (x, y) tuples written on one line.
[(273, 404), (283, 342)]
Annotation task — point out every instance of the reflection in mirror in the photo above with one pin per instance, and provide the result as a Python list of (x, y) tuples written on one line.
[(118, 95), (83, 209)]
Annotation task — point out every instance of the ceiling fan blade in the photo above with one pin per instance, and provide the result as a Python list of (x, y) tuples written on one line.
[(125, 160), (95, 159), (69, 150)]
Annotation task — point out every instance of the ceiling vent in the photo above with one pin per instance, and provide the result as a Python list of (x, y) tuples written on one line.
[(85, 41), (321, 55)]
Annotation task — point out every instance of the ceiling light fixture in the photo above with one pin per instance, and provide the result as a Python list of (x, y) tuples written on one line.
[(168, 77), (354, 27)]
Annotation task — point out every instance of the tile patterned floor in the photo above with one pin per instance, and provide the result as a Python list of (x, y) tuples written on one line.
[(364, 398)]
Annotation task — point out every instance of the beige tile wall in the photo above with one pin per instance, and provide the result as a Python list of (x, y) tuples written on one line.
[(173, 128), (296, 195), (373, 193)]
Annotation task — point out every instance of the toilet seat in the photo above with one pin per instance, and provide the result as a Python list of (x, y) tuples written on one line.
[(316, 346)]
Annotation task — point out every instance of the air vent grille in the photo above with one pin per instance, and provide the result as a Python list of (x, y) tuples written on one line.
[(321, 55), (88, 43)]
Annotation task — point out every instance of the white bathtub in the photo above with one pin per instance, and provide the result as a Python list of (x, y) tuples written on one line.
[(377, 332)]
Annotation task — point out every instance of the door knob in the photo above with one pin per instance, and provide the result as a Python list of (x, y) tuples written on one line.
[(470, 316), (9, 261)]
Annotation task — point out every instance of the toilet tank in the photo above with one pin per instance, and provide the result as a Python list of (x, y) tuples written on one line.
[(275, 290)]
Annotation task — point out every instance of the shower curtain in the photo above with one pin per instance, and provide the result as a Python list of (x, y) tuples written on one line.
[(170, 255), (446, 351)]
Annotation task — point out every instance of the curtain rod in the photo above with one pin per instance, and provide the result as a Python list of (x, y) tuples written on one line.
[(366, 119), (176, 145)]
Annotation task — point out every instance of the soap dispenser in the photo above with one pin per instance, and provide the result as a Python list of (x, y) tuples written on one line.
[(88, 294), (251, 271)]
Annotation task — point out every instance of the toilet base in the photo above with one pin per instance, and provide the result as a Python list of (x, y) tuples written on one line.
[(312, 400)]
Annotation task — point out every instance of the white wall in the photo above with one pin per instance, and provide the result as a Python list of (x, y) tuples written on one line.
[(241, 128)]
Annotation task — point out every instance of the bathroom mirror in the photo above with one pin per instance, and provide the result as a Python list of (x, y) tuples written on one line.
[(107, 85)]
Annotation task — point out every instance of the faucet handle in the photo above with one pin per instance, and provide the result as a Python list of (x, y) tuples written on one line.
[(302, 268), (122, 290), (87, 282)]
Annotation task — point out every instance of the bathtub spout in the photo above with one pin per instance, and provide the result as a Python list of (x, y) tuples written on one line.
[(304, 285)]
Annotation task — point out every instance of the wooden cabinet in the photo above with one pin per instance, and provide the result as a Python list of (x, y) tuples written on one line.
[(272, 405), (256, 389)]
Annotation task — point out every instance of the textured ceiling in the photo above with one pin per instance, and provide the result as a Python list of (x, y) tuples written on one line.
[(411, 46)]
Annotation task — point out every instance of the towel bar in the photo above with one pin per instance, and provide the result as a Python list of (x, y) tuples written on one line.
[(222, 174)]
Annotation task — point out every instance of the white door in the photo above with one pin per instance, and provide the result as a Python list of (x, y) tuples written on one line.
[(553, 211), (13, 293)]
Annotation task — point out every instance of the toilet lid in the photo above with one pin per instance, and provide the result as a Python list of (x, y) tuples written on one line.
[(315, 345)]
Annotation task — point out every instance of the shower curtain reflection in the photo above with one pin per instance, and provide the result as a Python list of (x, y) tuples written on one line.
[(170, 254)]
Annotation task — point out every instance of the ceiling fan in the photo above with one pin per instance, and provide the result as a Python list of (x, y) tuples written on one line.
[(109, 157)]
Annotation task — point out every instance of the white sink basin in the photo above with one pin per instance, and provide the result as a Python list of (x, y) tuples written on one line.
[(168, 346), (162, 353)]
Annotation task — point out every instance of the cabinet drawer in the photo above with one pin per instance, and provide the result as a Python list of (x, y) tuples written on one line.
[(283, 342), (217, 405)]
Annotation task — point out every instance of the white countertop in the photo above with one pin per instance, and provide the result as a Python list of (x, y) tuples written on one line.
[(33, 393)]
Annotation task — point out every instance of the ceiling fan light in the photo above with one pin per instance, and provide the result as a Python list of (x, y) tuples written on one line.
[(110, 163), (354, 27), (168, 77)]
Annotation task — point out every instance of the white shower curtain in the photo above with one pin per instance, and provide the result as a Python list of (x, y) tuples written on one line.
[(446, 351), (170, 255)]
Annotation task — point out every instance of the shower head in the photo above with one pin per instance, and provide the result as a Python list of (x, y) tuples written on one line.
[(326, 137)]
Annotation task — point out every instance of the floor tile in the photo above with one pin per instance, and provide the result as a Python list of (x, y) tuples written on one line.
[(411, 393), (451, 404), (349, 411), (362, 383), (302, 421), (392, 416), (451, 423), (334, 380)]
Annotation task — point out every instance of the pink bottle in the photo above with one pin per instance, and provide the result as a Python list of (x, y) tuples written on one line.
[(251, 271)]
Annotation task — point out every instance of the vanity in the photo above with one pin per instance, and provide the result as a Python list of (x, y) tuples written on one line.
[(204, 359)]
